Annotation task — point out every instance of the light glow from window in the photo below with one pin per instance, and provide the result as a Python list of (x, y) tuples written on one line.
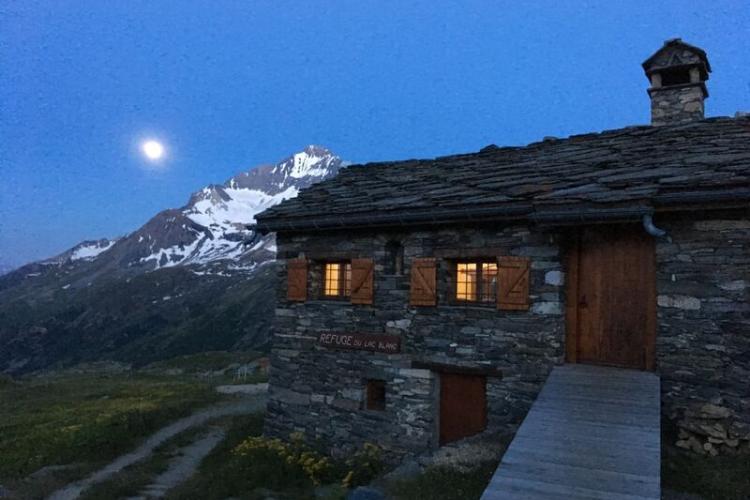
[(466, 281), (338, 279), (332, 279)]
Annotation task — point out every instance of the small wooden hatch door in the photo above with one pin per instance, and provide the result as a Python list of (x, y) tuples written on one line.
[(463, 406)]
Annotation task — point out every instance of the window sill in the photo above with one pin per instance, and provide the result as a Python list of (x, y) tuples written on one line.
[(472, 303), (345, 301), (476, 306)]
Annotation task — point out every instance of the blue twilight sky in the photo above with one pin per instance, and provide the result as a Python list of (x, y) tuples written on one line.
[(227, 85)]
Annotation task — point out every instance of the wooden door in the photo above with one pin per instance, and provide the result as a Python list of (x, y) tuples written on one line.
[(612, 298), (463, 406)]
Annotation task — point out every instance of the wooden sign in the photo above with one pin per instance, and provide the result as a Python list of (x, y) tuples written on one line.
[(389, 344)]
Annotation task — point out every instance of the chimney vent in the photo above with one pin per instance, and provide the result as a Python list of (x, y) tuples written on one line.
[(678, 72)]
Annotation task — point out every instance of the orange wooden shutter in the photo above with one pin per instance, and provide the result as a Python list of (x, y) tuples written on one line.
[(362, 271), (423, 288), (513, 283), (296, 280)]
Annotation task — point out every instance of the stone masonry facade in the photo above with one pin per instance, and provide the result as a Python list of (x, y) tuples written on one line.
[(703, 341), (702, 350), (320, 391)]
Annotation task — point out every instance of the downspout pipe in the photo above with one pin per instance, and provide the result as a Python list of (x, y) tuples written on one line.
[(648, 225)]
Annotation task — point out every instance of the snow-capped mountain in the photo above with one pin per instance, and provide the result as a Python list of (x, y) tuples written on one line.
[(188, 280), (212, 226)]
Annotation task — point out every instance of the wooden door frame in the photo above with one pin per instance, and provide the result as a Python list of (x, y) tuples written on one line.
[(572, 261)]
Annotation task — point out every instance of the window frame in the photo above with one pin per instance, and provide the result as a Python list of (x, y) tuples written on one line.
[(344, 280), (481, 297)]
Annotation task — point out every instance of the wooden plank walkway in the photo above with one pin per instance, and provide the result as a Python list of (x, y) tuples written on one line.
[(592, 433)]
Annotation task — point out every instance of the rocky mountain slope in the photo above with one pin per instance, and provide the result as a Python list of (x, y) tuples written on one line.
[(190, 279)]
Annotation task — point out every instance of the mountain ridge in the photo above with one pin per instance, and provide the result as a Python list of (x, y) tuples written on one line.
[(191, 278), (212, 225)]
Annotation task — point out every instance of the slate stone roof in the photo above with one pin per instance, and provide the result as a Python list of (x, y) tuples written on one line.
[(618, 173)]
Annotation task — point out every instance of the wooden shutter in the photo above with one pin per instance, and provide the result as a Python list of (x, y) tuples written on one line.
[(513, 283), (362, 271), (296, 280), (423, 287)]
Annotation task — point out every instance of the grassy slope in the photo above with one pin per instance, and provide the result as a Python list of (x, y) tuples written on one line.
[(148, 317), (133, 479), (88, 419)]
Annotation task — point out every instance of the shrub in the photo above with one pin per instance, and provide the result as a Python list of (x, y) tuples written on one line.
[(281, 465), (363, 466), (277, 463)]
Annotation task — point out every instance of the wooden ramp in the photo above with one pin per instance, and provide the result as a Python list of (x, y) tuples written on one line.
[(593, 433)]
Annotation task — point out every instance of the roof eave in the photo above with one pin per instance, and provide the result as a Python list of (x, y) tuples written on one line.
[(565, 214)]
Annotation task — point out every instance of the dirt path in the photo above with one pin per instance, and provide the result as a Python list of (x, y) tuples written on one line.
[(244, 389), (182, 467), (73, 490)]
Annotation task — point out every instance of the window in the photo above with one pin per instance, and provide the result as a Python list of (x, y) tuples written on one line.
[(337, 279), (395, 255), (376, 395), (476, 281)]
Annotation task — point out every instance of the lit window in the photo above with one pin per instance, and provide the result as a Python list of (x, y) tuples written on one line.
[(333, 278), (466, 281), (476, 281), (338, 279)]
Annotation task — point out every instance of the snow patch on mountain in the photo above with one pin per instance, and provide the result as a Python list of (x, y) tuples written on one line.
[(238, 208), (89, 250), (306, 165), (86, 251), (172, 256)]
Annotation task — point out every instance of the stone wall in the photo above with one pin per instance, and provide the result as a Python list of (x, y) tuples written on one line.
[(321, 391), (703, 339), (703, 344), (672, 105)]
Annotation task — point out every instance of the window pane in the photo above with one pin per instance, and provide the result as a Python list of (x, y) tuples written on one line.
[(347, 279), (466, 281), (489, 281), (332, 283)]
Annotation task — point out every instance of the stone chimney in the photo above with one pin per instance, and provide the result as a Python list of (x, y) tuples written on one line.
[(678, 73)]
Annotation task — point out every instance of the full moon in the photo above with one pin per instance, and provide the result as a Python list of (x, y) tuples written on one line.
[(153, 150)]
